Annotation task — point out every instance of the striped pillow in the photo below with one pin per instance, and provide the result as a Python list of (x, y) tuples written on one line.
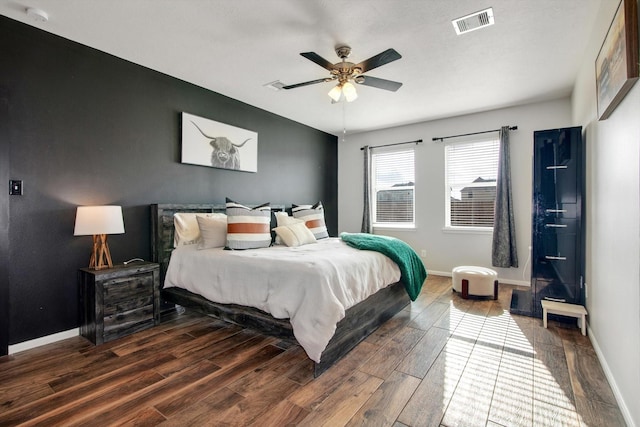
[(313, 217), (248, 228)]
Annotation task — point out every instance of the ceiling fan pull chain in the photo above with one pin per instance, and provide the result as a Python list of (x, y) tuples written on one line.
[(344, 121)]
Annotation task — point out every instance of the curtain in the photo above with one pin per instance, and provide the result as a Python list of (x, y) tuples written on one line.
[(503, 250), (366, 214)]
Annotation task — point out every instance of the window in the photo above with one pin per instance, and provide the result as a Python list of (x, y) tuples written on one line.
[(471, 171), (392, 180)]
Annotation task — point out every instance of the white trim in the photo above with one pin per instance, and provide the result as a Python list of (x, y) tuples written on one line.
[(515, 282), (397, 226), (612, 381), (504, 281), (468, 230), (28, 345)]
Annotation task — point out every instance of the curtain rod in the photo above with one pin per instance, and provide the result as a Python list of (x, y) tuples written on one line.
[(417, 141), (442, 138)]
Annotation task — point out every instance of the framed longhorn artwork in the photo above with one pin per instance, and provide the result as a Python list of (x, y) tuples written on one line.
[(209, 143)]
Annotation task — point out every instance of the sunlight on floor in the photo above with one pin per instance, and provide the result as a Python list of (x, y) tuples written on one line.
[(506, 378)]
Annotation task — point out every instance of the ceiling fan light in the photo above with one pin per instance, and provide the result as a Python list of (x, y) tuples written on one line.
[(349, 91), (335, 93)]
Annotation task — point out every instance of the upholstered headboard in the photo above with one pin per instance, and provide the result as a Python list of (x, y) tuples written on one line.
[(162, 229)]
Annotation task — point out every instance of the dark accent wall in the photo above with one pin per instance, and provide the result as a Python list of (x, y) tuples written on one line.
[(4, 222), (85, 127)]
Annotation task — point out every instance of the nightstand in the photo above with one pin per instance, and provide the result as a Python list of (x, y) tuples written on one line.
[(118, 301)]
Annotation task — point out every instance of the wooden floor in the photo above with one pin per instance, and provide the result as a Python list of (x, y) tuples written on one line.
[(443, 361)]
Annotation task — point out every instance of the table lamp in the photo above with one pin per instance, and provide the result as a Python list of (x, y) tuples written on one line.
[(99, 221)]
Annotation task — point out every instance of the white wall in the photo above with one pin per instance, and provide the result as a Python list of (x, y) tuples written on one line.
[(613, 226), (612, 206), (445, 250)]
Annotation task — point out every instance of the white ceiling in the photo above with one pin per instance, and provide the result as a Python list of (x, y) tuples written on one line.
[(235, 47)]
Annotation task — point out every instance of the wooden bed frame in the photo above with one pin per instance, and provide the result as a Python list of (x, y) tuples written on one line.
[(359, 321)]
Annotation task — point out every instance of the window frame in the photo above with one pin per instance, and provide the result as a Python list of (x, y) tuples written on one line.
[(473, 229), (373, 189)]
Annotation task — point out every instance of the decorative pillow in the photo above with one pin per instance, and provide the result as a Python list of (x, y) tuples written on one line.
[(295, 234), (283, 218), (313, 217), (186, 230), (213, 231), (248, 228)]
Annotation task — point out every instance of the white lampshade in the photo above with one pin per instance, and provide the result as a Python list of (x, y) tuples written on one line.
[(335, 93), (93, 220), (349, 91)]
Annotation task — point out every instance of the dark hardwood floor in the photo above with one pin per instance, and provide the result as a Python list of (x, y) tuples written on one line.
[(443, 361)]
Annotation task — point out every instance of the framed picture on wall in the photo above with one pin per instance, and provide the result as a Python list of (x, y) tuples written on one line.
[(617, 62), (206, 142)]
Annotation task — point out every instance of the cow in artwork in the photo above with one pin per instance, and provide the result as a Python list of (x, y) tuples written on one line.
[(225, 153)]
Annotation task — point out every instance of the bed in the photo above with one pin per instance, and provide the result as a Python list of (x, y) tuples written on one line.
[(358, 321)]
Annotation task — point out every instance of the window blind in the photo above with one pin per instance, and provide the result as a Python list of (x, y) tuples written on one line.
[(471, 171), (393, 180)]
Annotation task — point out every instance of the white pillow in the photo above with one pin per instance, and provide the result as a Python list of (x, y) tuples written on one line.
[(186, 230), (283, 218), (213, 231), (295, 234)]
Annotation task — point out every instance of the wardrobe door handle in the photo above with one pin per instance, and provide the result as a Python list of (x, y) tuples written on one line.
[(556, 225), (555, 210), (558, 258), (557, 167)]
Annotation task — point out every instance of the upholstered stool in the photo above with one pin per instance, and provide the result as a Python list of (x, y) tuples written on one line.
[(472, 280)]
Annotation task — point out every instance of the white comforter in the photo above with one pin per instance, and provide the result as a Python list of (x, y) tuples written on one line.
[(312, 285)]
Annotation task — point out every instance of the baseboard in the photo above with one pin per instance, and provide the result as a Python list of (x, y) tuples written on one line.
[(27, 345), (505, 281), (612, 382)]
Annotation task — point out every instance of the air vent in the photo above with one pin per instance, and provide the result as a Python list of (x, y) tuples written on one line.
[(474, 21), (275, 85)]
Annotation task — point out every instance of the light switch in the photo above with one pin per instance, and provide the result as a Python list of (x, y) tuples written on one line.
[(15, 187)]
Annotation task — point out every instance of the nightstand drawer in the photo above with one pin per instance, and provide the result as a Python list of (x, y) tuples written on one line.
[(125, 305), (126, 322), (125, 288), (118, 301)]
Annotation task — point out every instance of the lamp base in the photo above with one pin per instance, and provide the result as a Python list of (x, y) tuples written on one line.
[(100, 256)]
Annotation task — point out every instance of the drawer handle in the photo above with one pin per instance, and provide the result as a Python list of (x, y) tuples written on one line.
[(559, 258), (555, 210), (555, 299), (556, 225), (557, 167)]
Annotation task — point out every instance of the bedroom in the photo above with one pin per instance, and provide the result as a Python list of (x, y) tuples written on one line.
[(65, 145)]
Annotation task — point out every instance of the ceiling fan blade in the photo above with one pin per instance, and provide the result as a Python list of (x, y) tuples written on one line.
[(380, 83), (312, 56), (312, 82), (376, 61)]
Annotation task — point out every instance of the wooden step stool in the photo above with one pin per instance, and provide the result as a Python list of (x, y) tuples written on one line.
[(565, 309)]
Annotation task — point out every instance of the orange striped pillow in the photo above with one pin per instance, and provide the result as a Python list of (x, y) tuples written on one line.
[(313, 217), (248, 228)]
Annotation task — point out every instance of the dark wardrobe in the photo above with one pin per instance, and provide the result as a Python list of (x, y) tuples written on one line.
[(557, 254)]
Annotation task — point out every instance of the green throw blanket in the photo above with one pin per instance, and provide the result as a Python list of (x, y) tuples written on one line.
[(412, 271)]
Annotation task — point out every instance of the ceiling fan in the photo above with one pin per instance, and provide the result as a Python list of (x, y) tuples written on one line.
[(347, 73)]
